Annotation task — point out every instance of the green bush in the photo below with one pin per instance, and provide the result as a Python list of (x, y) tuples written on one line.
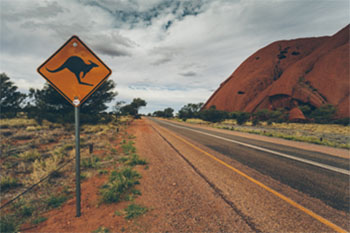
[(119, 185), (25, 211), (8, 224), (269, 115), (91, 162), (101, 229), (213, 115), (128, 147), (39, 219), (242, 117), (133, 160), (56, 201), (324, 114), (134, 210)]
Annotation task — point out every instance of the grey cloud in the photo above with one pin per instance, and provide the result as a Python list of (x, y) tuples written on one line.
[(161, 61), (112, 51), (163, 55), (112, 44), (33, 11), (289, 19), (188, 74)]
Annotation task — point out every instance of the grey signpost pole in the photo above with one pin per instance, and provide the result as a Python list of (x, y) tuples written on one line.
[(77, 161)]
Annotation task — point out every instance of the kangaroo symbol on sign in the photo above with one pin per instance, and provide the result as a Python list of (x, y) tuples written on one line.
[(76, 65)]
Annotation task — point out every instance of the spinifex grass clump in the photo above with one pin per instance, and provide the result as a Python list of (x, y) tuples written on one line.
[(30, 155), (91, 162), (133, 160), (128, 147), (8, 223), (119, 185), (134, 210), (56, 201), (8, 182)]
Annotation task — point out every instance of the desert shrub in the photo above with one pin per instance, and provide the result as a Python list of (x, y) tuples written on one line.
[(324, 114), (128, 147), (42, 168), (39, 219), (8, 182), (25, 210), (30, 155), (242, 117), (233, 115), (91, 162), (343, 121), (133, 160), (134, 210), (101, 229), (17, 123), (102, 172), (255, 121), (119, 185), (213, 115), (269, 115), (8, 223), (56, 201), (306, 109)]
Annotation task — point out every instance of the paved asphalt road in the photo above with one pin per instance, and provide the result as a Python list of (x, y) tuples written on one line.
[(319, 175)]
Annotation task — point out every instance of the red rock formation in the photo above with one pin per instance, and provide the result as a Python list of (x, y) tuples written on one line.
[(284, 74), (296, 115)]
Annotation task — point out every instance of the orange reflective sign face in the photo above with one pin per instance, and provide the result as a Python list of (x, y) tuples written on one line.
[(74, 71)]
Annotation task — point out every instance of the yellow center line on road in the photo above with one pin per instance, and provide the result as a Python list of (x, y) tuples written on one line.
[(281, 196)]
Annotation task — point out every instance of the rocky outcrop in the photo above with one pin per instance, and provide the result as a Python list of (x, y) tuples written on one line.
[(285, 74)]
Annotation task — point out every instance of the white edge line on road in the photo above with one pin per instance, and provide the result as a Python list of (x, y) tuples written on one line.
[(335, 169)]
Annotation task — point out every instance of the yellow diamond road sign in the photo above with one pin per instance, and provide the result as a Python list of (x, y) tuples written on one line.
[(74, 71)]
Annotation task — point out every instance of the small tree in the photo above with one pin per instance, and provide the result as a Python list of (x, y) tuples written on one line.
[(190, 111), (48, 104), (168, 113), (10, 98), (133, 108)]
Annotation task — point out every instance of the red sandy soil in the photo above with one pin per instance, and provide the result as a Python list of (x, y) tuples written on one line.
[(179, 199), (288, 73)]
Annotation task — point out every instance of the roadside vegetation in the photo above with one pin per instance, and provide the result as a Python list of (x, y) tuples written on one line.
[(38, 150), (320, 126), (32, 151)]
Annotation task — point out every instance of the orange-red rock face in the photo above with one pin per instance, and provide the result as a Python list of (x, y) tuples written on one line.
[(285, 74)]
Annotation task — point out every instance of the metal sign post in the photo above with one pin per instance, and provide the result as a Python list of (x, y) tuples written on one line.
[(75, 72), (77, 157)]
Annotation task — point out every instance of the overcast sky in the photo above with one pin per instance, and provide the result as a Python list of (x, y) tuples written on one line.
[(168, 52)]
